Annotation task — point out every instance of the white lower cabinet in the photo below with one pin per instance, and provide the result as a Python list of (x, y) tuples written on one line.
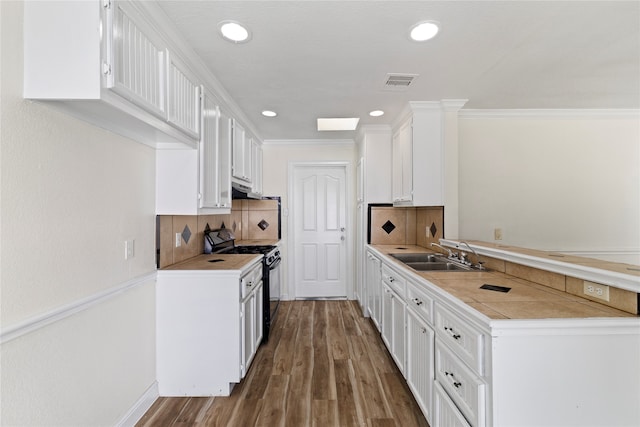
[(393, 315), (208, 329), (465, 369), (251, 317), (419, 372)]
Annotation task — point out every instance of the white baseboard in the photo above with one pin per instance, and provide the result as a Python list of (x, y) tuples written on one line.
[(143, 404)]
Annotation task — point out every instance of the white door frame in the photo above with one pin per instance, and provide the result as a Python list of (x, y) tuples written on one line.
[(349, 223)]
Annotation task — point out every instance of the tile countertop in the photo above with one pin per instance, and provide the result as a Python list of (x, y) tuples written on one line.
[(216, 262), (525, 300)]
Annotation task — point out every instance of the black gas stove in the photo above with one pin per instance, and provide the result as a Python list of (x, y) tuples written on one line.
[(222, 241)]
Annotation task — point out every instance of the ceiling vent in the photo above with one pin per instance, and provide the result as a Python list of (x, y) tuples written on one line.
[(399, 82)]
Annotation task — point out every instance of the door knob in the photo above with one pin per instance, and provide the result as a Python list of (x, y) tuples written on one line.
[(342, 238), (342, 229)]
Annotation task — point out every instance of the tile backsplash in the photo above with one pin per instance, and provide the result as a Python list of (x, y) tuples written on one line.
[(249, 219), (405, 226)]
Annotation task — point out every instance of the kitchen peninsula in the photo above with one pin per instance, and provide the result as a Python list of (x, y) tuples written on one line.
[(511, 344)]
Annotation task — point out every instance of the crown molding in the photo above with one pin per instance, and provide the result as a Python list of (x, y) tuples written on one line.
[(549, 113)]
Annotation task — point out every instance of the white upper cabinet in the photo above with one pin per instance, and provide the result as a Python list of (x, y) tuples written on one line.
[(242, 146), (183, 106), (134, 59), (424, 154), (256, 163), (107, 63), (215, 159), (191, 182)]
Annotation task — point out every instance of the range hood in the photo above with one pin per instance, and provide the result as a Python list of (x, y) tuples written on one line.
[(242, 191)]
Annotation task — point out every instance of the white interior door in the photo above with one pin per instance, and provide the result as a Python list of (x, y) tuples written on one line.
[(319, 221)]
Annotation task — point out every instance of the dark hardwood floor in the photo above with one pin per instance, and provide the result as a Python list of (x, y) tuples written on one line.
[(324, 365)]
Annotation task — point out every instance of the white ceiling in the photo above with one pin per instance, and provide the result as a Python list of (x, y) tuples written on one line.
[(310, 59)]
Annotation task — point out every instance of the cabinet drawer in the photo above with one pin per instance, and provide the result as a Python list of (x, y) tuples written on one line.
[(420, 302), (250, 280), (466, 341), (464, 387), (394, 280), (445, 412)]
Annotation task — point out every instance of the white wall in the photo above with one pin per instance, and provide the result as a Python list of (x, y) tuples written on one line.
[(71, 195), (276, 159), (559, 183)]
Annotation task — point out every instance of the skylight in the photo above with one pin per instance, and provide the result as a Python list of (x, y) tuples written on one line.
[(328, 124)]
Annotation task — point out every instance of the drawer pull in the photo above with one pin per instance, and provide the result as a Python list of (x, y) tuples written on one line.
[(453, 334), (391, 279), (417, 301), (424, 330), (456, 384)]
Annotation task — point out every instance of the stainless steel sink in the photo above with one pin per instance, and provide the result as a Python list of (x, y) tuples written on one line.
[(419, 257), (437, 266)]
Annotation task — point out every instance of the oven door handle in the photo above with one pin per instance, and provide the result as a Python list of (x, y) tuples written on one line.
[(275, 264)]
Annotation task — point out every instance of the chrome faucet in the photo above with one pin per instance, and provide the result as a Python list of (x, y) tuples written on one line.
[(463, 256), (451, 255)]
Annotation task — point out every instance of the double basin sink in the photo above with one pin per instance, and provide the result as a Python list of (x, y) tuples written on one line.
[(430, 262)]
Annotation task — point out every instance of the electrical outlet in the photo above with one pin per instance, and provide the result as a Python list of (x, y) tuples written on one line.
[(427, 232), (596, 290), (178, 240), (497, 234)]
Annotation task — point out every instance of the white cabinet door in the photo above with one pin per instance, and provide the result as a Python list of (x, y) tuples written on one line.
[(241, 167), (258, 325), (420, 371), (224, 158), (247, 319), (183, 100), (251, 318), (387, 315), (209, 155), (403, 163), (137, 67), (256, 163), (398, 348), (374, 289), (393, 325), (215, 162)]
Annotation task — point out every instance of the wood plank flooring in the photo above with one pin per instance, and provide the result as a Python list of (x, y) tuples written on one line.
[(324, 365)]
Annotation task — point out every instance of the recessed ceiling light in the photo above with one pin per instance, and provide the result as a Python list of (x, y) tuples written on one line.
[(376, 113), (423, 31), (269, 113), (234, 31), (338, 124)]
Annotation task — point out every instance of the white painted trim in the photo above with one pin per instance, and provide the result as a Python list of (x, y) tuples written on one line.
[(566, 327), (584, 272), (137, 411), (349, 226), (47, 318), (307, 142), (539, 113)]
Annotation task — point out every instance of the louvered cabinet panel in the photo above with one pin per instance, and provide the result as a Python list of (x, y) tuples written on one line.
[(183, 102), (138, 63), (420, 370)]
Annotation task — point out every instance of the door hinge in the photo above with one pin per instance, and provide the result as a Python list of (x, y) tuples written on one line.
[(106, 4), (106, 68)]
